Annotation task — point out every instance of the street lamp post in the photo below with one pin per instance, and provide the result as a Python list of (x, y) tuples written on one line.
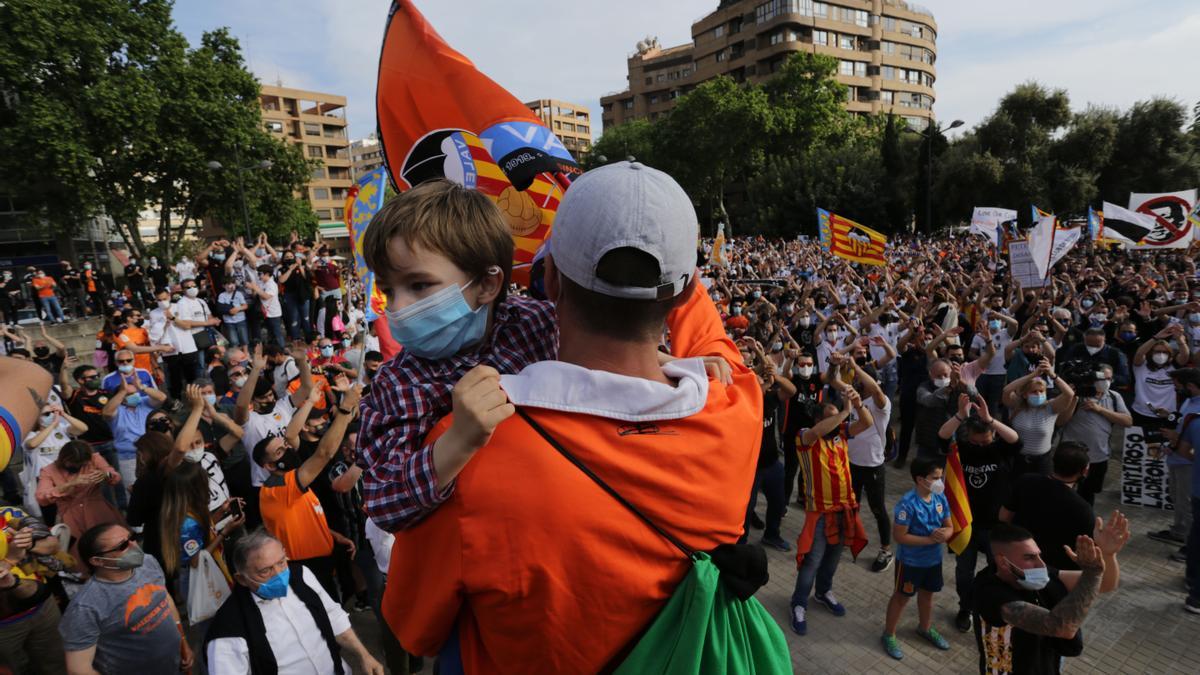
[(264, 164), (932, 130)]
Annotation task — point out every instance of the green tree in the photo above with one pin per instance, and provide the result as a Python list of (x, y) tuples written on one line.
[(634, 138), (1151, 153)]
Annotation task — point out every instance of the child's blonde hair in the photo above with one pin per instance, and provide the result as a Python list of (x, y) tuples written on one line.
[(442, 216)]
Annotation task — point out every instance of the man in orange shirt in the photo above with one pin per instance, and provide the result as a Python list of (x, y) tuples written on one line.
[(135, 339), (831, 518), (290, 511), (529, 566), (45, 285)]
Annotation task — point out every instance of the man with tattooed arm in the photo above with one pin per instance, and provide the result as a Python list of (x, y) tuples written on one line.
[(1028, 615)]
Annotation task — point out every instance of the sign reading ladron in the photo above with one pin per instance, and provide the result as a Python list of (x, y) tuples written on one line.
[(1143, 478)]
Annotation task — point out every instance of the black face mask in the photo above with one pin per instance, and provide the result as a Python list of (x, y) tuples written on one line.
[(289, 461), (371, 373), (160, 424), (139, 322), (264, 407), (72, 469), (41, 352), (92, 383)]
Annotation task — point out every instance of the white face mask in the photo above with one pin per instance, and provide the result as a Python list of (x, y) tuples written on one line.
[(805, 371), (1093, 350), (937, 487), (192, 291), (941, 382), (163, 304), (239, 382), (47, 419), (1103, 385), (194, 455), (1160, 358)]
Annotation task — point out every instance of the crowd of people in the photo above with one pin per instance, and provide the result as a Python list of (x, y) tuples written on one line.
[(235, 464)]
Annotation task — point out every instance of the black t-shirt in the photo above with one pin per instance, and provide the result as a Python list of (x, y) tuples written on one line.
[(1054, 512), (158, 274), (135, 276), (71, 280), (988, 471), (912, 369), (1007, 650), (52, 362), (804, 337), (802, 409), (298, 284), (768, 450), (88, 407), (322, 487)]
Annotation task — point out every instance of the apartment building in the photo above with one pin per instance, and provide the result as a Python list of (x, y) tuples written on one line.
[(570, 122), (886, 50)]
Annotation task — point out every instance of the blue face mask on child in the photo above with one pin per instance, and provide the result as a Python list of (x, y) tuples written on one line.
[(276, 586), (441, 325)]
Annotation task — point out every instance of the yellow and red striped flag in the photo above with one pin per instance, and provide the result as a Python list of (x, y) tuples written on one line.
[(851, 241), (960, 508)]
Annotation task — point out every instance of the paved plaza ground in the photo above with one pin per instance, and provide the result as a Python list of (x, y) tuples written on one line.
[(1141, 628)]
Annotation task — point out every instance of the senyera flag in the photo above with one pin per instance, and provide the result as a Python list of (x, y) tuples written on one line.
[(851, 241), (439, 117), (363, 201), (960, 508)]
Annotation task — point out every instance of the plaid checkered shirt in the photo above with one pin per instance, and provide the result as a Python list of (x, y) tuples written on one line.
[(410, 394)]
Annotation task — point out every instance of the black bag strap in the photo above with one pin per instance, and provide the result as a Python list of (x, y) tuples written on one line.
[(687, 551)]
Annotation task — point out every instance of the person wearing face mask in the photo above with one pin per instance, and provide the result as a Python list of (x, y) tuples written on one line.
[(1154, 392), (935, 404), (93, 285), (128, 412), (43, 444), (268, 293), (164, 329), (135, 338), (1035, 497), (157, 274), (123, 620), (135, 278), (44, 286), (73, 284), (10, 297), (86, 402), (1097, 414), (1095, 350), (1034, 417), (261, 413), (922, 528), (192, 314), (279, 619), (1028, 614), (331, 363), (72, 484), (801, 414), (296, 280), (186, 269), (231, 305), (290, 509)]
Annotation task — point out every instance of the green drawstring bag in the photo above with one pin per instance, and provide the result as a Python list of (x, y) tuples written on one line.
[(712, 623), (705, 628)]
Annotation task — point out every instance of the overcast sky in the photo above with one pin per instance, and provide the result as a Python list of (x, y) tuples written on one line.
[(1109, 52)]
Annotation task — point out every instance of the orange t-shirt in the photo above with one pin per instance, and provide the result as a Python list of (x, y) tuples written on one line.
[(826, 469), (493, 559), (133, 335), (45, 286), (295, 517)]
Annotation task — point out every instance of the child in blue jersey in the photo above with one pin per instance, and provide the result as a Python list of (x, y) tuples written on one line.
[(922, 526)]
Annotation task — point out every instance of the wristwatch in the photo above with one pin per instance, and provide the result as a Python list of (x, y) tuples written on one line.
[(344, 411)]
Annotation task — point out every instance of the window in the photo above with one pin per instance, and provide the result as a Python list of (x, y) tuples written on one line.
[(719, 31), (567, 126), (887, 47), (318, 173), (653, 99), (275, 127), (888, 72), (323, 214), (315, 151), (320, 193), (557, 125), (769, 10), (662, 77), (846, 42), (821, 10), (311, 129), (820, 37), (686, 72), (846, 68), (339, 213), (860, 68), (721, 56), (583, 129), (886, 96), (776, 38), (628, 104), (889, 23), (860, 17)]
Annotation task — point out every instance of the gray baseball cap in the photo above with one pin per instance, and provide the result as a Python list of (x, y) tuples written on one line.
[(626, 205)]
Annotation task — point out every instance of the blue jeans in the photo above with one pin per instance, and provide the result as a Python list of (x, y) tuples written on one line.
[(52, 308), (820, 564), (275, 326), (295, 311), (1193, 553), (237, 334), (770, 481)]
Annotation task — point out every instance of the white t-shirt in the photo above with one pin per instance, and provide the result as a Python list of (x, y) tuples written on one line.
[(218, 490), (824, 349), (1000, 338), (163, 332), (1155, 386), (258, 427), (192, 309), (271, 307), (284, 374), (867, 448), (185, 269), (890, 335)]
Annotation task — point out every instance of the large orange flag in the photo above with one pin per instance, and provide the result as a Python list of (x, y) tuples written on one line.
[(440, 117)]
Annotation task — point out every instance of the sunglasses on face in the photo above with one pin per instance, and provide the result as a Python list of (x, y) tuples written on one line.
[(119, 547), (124, 360)]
